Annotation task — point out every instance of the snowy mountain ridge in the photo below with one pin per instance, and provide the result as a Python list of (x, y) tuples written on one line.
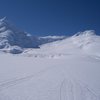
[(13, 40), (17, 40)]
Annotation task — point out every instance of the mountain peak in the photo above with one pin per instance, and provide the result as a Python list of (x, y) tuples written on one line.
[(14, 40), (3, 19), (86, 33)]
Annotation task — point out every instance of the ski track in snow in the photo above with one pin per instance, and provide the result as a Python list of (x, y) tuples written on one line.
[(73, 90), (69, 89), (17, 81)]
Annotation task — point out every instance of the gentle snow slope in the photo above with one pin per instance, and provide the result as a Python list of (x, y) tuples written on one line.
[(68, 69)]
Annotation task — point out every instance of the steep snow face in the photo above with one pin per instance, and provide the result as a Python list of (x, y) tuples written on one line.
[(11, 36)]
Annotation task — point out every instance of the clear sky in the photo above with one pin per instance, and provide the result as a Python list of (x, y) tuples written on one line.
[(52, 17)]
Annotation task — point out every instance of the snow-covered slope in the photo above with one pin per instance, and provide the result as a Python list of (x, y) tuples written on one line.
[(14, 40), (67, 69), (89, 42), (86, 42)]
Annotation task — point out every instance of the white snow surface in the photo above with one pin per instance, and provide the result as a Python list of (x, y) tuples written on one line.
[(67, 69)]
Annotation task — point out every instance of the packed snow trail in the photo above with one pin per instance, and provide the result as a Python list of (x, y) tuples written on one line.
[(17, 81), (73, 90), (68, 89), (53, 79)]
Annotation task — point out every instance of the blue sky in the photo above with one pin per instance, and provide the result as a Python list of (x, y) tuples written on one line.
[(52, 17)]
